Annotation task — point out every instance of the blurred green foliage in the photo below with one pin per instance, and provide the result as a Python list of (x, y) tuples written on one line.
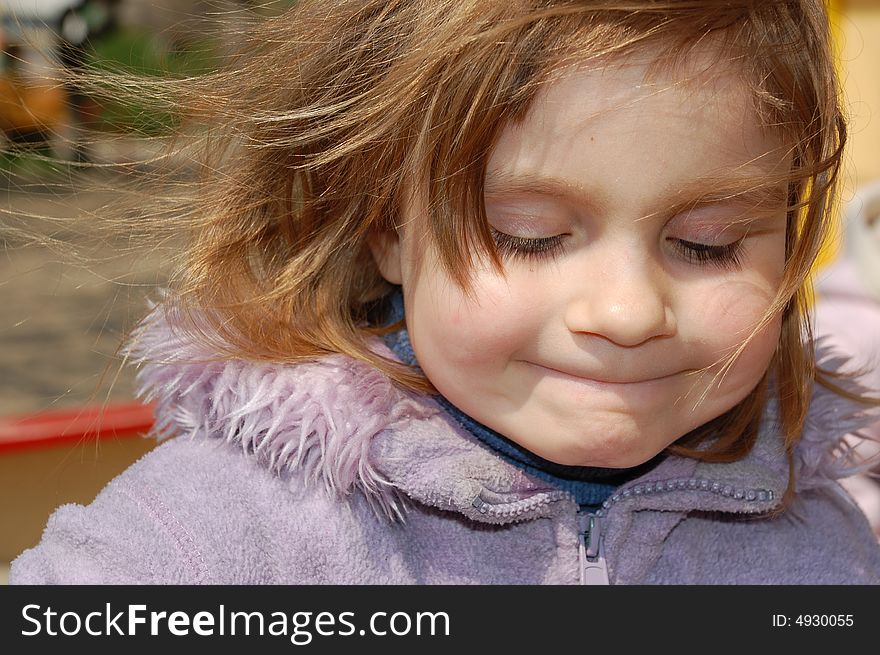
[(21, 167), (141, 53)]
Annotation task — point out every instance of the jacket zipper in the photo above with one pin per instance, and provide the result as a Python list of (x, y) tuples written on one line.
[(591, 555), (519, 507), (591, 549), (591, 536)]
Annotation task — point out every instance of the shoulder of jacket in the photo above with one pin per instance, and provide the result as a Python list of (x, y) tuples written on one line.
[(820, 538), (824, 538)]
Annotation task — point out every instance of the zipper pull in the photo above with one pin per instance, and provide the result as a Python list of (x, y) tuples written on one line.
[(591, 550)]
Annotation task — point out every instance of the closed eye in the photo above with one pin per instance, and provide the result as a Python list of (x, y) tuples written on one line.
[(534, 248), (723, 256)]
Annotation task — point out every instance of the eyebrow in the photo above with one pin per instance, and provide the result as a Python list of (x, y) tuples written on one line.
[(767, 193)]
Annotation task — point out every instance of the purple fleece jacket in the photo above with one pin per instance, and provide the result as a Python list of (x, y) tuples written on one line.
[(327, 473)]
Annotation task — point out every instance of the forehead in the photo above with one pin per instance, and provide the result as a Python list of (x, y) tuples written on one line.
[(632, 121)]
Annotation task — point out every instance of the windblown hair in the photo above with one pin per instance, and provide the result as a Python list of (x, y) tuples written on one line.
[(313, 131)]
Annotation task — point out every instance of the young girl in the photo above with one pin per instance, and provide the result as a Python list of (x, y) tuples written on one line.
[(497, 292)]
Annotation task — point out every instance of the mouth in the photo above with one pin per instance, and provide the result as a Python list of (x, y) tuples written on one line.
[(604, 381)]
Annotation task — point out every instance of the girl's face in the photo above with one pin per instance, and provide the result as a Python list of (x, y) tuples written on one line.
[(600, 342)]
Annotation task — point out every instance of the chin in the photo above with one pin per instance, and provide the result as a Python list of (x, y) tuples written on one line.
[(617, 453)]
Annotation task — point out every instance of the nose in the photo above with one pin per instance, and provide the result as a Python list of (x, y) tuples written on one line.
[(625, 302)]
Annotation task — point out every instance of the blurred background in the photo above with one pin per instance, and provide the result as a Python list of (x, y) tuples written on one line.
[(62, 317), (68, 296)]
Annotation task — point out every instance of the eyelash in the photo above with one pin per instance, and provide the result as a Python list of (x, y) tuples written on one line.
[(527, 248), (726, 256), (536, 249)]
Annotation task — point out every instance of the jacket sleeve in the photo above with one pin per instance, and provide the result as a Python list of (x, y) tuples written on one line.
[(199, 511), (128, 535)]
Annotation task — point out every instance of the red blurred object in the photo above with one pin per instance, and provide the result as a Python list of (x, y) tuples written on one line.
[(53, 428)]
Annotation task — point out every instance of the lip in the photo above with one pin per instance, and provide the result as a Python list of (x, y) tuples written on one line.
[(597, 380)]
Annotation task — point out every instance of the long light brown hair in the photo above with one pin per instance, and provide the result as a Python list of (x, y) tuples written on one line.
[(309, 133)]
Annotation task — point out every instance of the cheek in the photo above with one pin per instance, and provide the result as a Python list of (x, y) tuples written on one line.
[(730, 309), (730, 312), (483, 328), (728, 319)]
